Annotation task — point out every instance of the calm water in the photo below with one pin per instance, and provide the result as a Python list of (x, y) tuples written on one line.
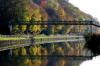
[(59, 54)]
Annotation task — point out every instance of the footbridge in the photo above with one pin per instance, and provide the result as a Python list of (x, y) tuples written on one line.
[(75, 33), (12, 41)]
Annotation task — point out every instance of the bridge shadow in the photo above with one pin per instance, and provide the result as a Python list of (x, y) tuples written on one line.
[(4, 55), (5, 58)]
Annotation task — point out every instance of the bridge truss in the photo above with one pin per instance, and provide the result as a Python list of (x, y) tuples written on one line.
[(74, 28)]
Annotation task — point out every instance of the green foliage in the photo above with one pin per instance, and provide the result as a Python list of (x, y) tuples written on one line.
[(26, 11), (15, 52), (52, 4), (15, 29), (23, 11)]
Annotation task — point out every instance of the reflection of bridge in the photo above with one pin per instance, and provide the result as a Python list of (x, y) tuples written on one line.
[(75, 32), (10, 42)]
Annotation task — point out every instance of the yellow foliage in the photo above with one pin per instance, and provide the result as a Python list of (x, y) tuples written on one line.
[(36, 16), (38, 51), (23, 51), (23, 27), (36, 62), (53, 29), (59, 27), (35, 28), (70, 18), (25, 62), (60, 62), (61, 13), (59, 49), (33, 50), (44, 17), (44, 51), (26, 18)]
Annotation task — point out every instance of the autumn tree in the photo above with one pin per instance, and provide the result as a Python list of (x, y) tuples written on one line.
[(35, 54), (36, 17)]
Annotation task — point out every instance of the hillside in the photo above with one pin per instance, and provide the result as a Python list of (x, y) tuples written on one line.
[(29, 11), (39, 10)]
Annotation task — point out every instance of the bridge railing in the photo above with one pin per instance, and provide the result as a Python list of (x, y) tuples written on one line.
[(80, 27), (90, 27)]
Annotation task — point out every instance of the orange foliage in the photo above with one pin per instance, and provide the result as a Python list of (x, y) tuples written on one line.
[(61, 13), (70, 18)]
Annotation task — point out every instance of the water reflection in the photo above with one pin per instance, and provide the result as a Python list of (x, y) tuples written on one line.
[(66, 54), (58, 54)]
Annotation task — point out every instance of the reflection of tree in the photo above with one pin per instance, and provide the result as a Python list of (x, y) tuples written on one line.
[(70, 50), (60, 62), (18, 11), (56, 60), (69, 29), (44, 58), (74, 48), (35, 55)]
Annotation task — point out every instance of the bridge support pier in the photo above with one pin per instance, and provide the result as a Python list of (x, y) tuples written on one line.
[(10, 55), (10, 52)]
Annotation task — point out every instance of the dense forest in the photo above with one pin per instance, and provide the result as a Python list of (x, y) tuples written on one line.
[(29, 11)]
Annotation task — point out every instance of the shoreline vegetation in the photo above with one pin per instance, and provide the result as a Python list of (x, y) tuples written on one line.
[(17, 11)]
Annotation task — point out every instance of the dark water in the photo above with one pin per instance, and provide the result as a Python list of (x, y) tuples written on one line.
[(69, 54)]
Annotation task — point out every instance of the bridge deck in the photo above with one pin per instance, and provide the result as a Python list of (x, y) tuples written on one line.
[(11, 42)]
